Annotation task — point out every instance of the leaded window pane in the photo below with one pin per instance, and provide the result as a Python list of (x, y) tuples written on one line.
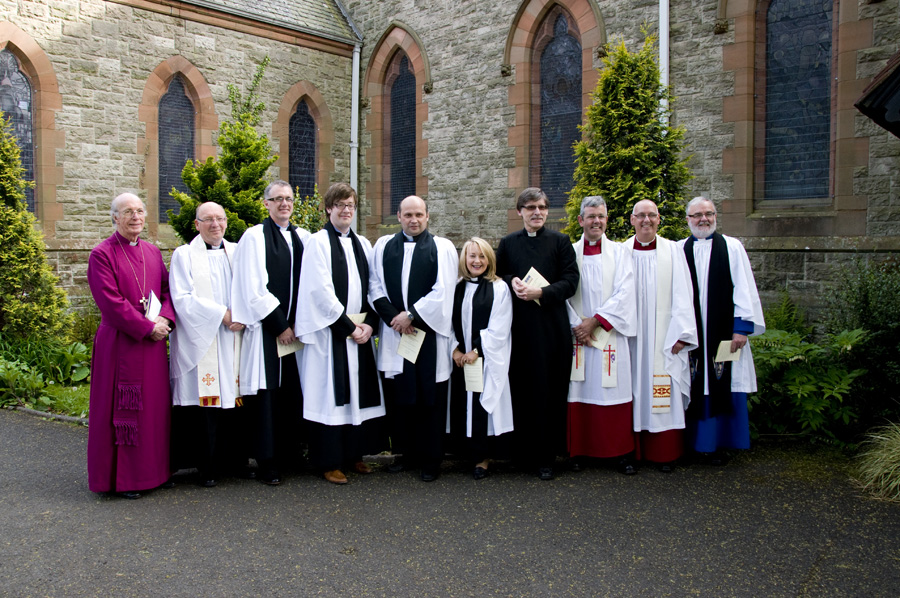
[(302, 151), (16, 103), (403, 135), (560, 112), (798, 99), (176, 144)]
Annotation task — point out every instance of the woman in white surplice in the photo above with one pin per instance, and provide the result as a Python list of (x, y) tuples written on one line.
[(482, 317)]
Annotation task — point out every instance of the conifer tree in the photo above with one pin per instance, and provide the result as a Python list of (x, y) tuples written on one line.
[(237, 180), (629, 152), (31, 302)]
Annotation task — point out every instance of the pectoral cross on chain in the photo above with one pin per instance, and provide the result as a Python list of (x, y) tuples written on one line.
[(610, 358), (144, 303)]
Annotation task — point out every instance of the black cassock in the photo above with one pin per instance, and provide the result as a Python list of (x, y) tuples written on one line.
[(541, 360)]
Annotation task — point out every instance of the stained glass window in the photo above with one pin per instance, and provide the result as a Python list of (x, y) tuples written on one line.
[(302, 151), (16, 103), (402, 135), (798, 99), (176, 144), (560, 105)]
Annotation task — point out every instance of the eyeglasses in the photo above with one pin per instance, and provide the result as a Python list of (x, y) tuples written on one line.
[(532, 208), (345, 206), (217, 220), (699, 215), (645, 216), (285, 199), (129, 213)]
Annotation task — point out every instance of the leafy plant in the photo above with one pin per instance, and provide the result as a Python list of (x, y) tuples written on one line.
[(629, 151), (786, 315), (69, 400), (308, 212), (56, 361), (879, 463), (237, 179), (31, 302), (805, 387), (867, 296), (21, 384)]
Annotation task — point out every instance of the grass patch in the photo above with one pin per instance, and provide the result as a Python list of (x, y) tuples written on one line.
[(68, 400), (879, 463)]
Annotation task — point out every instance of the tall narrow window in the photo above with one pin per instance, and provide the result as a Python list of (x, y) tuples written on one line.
[(557, 114), (176, 143), (302, 151), (798, 100), (401, 131), (16, 103)]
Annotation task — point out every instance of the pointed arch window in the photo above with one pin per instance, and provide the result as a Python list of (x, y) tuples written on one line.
[(16, 101), (177, 124), (556, 105), (797, 111), (302, 150), (400, 132)]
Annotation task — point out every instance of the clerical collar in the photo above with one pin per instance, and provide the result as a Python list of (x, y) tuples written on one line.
[(641, 246), (407, 238), (211, 248), (592, 243), (134, 243), (283, 228), (701, 240), (474, 279)]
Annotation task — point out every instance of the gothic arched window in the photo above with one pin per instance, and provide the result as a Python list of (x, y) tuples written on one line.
[(557, 113), (798, 100), (302, 151), (16, 103), (176, 143), (400, 131)]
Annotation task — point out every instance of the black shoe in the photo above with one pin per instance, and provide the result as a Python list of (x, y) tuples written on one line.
[(577, 465), (666, 467), (396, 467), (625, 467), (480, 473), (719, 458), (270, 477), (246, 472), (169, 484), (545, 473), (429, 475), (130, 494), (208, 483)]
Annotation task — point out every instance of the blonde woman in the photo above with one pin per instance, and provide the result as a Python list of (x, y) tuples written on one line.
[(482, 316)]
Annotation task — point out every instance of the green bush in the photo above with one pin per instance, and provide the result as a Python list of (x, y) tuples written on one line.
[(879, 463), (805, 388), (69, 400), (629, 151), (867, 296), (31, 301), (84, 328), (308, 212), (237, 179)]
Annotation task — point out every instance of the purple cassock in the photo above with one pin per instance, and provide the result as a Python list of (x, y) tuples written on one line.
[(128, 434)]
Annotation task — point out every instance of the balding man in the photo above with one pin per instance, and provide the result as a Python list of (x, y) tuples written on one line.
[(128, 436), (666, 331), (206, 347), (413, 276), (727, 310)]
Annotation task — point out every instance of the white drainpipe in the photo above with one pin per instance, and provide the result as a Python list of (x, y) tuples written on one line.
[(354, 127), (664, 45)]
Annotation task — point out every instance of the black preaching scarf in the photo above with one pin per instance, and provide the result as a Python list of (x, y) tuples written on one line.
[(482, 304), (423, 274), (284, 288), (720, 319), (344, 327)]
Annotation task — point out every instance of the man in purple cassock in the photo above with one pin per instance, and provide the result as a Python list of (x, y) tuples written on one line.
[(128, 434)]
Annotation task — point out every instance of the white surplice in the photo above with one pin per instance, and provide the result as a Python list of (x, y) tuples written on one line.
[(746, 305), (200, 324), (618, 309), (679, 327), (495, 346), (252, 301), (317, 308), (435, 308)]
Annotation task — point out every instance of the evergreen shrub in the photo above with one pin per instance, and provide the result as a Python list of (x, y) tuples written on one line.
[(629, 151)]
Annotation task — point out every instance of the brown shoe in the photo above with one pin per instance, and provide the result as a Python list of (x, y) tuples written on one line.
[(361, 468), (336, 476)]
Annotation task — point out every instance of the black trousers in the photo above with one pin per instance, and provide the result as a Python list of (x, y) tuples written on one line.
[(417, 426)]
